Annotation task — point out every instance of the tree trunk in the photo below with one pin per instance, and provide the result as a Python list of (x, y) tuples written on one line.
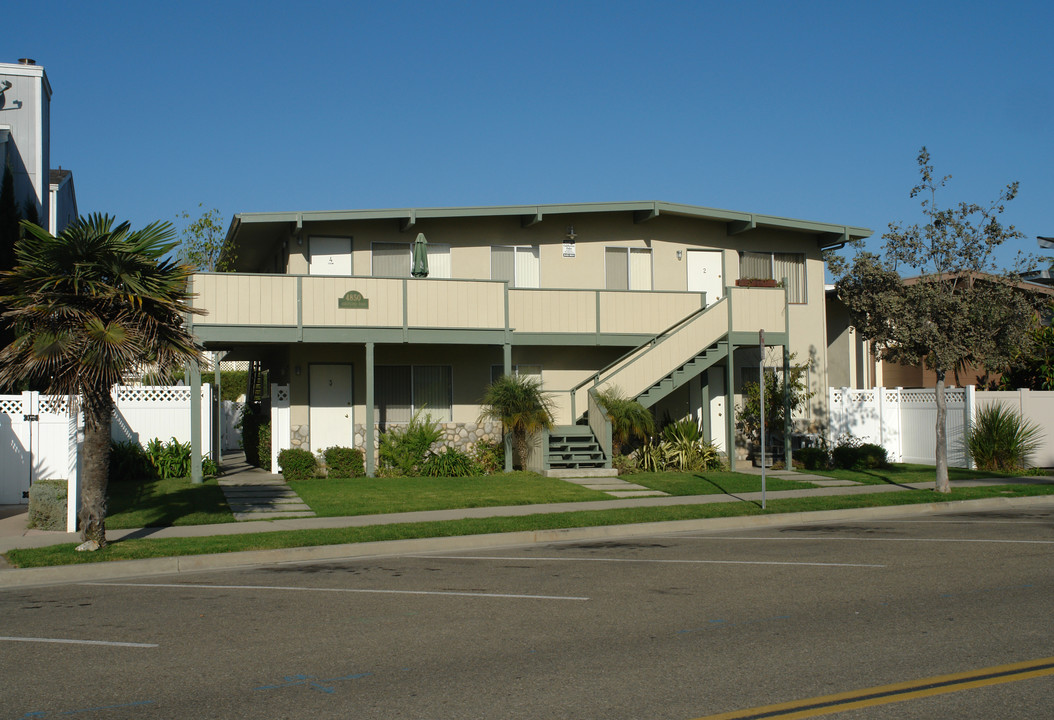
[(521, 447), (96, 468), (941, 453)]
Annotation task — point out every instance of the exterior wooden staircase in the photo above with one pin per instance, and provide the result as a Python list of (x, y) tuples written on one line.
[(574, 447)]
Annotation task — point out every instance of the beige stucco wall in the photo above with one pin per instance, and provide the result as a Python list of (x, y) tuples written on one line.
[(471, 239)]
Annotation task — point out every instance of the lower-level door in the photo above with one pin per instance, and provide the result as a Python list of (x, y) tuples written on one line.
[(332, 422)]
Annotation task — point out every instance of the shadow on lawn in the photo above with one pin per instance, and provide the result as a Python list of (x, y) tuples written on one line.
[(887, 480), (163, 509), (705, 479)]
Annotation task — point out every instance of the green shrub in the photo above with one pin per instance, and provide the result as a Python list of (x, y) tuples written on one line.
[(171, 459), (1001, 439), (47, 505), (344, 462), (402, 450), (263, 447), (624, 464), (256, 436), (813, 458), (852, 454), (129, 462), (681, 449), (297, 464), (489, 457), (450, 462)]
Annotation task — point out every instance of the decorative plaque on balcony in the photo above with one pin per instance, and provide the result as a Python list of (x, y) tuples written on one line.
[(353, 300)]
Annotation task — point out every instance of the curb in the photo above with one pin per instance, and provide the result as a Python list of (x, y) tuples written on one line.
[(122, 569)]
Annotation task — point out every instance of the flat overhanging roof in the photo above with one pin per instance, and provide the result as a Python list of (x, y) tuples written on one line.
[(252, 230)]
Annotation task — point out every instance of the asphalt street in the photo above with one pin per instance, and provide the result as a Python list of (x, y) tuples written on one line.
[(680, 625)]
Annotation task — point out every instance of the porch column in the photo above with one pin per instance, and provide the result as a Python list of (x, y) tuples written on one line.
[(704, 405), (730, 406), (788, 425), (507, 360), (217, 411), (195, 423), (371, 463)]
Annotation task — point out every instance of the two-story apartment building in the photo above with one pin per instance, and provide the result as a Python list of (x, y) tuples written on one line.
[(642, 295)]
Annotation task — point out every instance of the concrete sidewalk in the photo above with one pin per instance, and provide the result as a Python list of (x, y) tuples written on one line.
[(13, 532)]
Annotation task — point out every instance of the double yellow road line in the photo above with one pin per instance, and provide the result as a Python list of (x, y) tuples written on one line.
[(885, 694)]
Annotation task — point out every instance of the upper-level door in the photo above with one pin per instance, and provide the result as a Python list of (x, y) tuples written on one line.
[(329, 255), (705, 274)]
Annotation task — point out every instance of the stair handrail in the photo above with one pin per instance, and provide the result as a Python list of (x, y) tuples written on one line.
[(596, 379)]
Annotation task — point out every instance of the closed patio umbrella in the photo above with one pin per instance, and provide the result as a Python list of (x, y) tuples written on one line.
[(420, 255)]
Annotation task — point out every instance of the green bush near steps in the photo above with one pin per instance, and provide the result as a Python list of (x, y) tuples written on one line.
[(297, 464), (344, 462)]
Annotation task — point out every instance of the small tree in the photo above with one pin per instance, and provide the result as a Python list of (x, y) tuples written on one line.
[(961, 309), (782, 391), (629, 419), (202, 242), (517, 401)]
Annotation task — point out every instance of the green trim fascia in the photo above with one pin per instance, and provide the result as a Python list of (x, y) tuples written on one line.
[(226, 334), (751, 338), (582, 339)]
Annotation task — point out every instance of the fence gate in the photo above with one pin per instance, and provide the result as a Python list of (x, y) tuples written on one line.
[(15, 441)]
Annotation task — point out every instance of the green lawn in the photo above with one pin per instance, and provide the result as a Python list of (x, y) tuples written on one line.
[(372, 496), (163, 503), (902, 473), (167, 547)]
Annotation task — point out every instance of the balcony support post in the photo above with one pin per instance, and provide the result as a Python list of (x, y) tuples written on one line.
[(371, 460), (195, 423)]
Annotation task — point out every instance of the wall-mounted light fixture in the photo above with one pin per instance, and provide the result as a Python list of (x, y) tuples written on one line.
[(571, 232), (296, 370), (680, 254)]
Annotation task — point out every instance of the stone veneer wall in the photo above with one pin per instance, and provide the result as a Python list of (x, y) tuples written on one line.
[(463, 436)]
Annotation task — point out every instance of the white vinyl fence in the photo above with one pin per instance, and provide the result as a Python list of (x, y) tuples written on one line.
[(40, 439), (903, 421)]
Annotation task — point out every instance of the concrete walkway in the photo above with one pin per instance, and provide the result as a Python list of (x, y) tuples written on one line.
[(255, 494)]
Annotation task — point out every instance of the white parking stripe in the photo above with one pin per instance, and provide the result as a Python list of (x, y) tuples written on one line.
[(641, 560), (183, 586), (65, 641)]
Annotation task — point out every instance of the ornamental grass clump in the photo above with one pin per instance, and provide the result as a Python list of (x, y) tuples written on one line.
[(1001, 439)]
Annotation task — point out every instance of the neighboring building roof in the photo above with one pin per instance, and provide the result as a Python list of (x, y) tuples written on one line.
[(56, 177), (265, 228)]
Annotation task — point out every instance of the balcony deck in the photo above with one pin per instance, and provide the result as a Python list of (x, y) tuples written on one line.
[(245, 308)]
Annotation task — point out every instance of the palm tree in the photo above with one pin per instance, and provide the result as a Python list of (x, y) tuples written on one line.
[(87, 306), (628, 418), (518, 402)]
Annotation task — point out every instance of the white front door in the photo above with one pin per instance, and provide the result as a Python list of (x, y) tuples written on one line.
[(704, 274), (329, 255), (330, 416)]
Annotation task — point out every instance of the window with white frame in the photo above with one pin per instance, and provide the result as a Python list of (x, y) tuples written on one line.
[(402, 390), (396, 259), (516, 264), (627, 268), (776, 266), (533, 371)]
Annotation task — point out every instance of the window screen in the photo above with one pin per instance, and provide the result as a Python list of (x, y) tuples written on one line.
[(402, 390), (776, 266), (391, 259)]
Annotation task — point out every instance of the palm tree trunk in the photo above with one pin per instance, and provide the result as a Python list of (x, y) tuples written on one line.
[(96, 469)]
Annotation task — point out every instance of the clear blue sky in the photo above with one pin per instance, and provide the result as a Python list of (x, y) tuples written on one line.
[(807, 110)]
